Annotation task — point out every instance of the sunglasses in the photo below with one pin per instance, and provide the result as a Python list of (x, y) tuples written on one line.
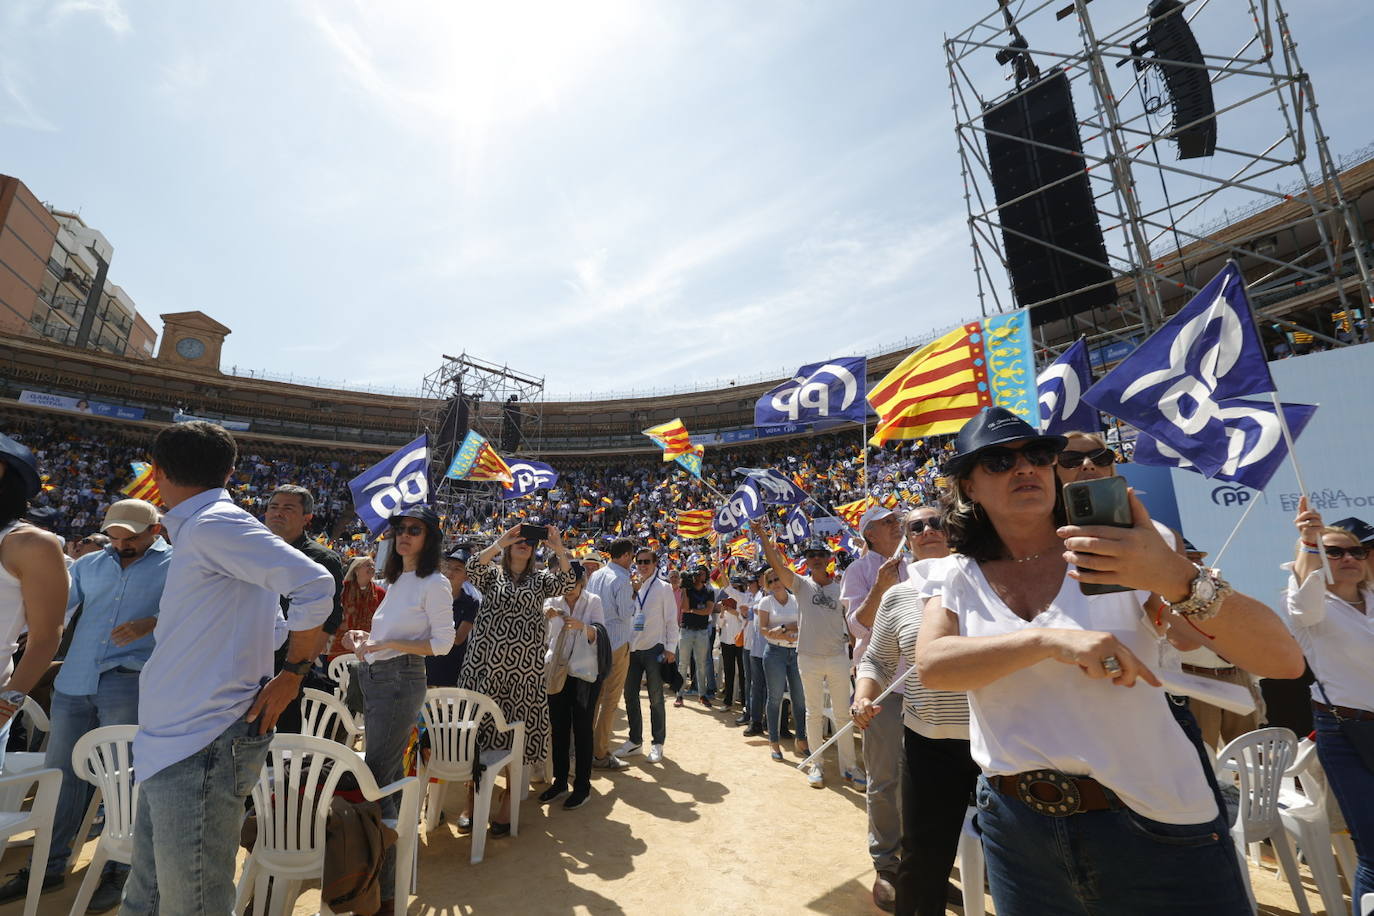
[(1102, 457), (916, 526), (88, 541), (998, 459), (648, 562), (1355, 553), (412, 530)]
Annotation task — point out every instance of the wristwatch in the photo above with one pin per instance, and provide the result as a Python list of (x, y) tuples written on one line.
[(1205, 596), (13, 698), (297, 668)]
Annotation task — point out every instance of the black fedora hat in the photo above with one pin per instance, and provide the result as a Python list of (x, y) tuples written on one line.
[(1362, 530), (994, 426), (418, 511)]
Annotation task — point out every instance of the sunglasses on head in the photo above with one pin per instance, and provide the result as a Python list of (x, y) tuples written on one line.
[(998, 459), (917, 525), (1102, 457), (412, 530), (1355, 553)]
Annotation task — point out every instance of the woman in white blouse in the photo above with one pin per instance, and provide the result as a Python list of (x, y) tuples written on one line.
[(779, 618), (1092, 799), (572, 704), (1335, 628)]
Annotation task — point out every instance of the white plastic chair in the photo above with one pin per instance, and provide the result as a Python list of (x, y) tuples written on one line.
[(971, 866), (452, 717), (323, 714), (291, 800), (340, 673), (29, 760), (1306, 814), (1367, 905), (39, 819), (1259, 759), (104, 758)]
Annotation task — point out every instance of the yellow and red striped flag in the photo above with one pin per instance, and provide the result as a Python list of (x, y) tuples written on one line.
[(143, 486), (478, 460), (890, 501), (672, 437), (941, 385), (742, 548), (852, 512), (695, 523)]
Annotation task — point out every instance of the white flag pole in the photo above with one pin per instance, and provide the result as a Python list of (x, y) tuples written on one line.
[(863, 447), (1297, 472), (844, 729), (1216, 560)]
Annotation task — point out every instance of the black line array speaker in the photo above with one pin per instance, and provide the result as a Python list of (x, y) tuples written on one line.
[(453, 428), (1190, 88), (1063, 216)]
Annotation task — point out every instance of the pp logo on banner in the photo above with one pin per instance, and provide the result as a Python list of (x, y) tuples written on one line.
[(528, 476), (820, 391), (1232, 497), (742, 506), (387, 494)]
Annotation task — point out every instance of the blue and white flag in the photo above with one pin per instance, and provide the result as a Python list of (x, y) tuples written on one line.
[(740, 508), (795, 528), (834, 390), (528, 476), (401, 479), (1061, 386), (1254, 442), (1171, 386), (775, 487)]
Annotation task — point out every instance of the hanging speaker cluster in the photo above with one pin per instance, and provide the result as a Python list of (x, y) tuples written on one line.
[(1178, 57)]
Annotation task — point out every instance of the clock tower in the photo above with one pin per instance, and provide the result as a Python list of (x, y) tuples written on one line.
[(191, 340)]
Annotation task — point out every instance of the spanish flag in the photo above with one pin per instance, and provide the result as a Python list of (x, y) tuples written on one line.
[(142, 486), (852, 512), (695, 523)]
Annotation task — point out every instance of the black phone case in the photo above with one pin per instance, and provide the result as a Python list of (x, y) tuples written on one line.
[(1111, 505)]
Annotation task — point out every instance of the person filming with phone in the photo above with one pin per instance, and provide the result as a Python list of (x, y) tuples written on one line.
[(1090, 791)]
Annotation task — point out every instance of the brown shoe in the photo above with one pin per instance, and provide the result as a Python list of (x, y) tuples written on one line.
[(884, 894)]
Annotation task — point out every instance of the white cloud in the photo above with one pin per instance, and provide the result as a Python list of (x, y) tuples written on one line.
[(110, 12)]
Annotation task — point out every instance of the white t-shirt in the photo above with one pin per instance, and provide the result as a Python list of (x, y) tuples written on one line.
[(822, 631), (1336, 638), (779, 615), (415, 609), (732, 625), (1050, 716)]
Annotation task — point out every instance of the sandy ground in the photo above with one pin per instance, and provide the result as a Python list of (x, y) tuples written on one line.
[(717, 827)]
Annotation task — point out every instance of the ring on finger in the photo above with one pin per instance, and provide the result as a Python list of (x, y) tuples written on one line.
[(1112, 665)]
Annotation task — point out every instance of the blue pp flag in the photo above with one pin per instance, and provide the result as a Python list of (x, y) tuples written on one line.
[(795, 528), (1254, 442), (740, 508), (399, 480), (1172, 386), (776, 488), (1061, 387), (528, 476), (834, 390)]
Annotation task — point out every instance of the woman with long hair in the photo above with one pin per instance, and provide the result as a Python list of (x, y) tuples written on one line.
[(360, 599), (1335, 627), (414, 620), (1091, 795), (505, 657), (573, 617)]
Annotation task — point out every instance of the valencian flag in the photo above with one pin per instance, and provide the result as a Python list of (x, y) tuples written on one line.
[(477, 460), (695, 523), (672, 437), (143, 486), (941, 385), (691, 460), (850, 513)]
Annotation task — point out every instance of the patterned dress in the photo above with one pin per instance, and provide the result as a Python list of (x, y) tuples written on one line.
[(505, 657)]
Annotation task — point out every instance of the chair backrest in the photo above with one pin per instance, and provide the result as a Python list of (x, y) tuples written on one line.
[(37, 722), (452, 716), (292, 795), (104, 757), (340, 673), (1261, 758), (324, 715)]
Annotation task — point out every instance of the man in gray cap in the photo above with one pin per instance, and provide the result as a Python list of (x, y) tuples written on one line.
[(118, 590)]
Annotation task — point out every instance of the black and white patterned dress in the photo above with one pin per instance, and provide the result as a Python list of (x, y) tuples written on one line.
[(505, 657)]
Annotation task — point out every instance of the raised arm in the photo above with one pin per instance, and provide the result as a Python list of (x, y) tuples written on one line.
[(772, 554)]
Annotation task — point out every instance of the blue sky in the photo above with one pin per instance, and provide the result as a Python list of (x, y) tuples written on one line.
[(611, 195)]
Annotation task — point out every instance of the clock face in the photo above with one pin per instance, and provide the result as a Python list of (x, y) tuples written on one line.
[(191, 347)]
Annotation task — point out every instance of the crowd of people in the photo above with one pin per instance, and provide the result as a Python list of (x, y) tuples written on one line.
[(1023, 652)]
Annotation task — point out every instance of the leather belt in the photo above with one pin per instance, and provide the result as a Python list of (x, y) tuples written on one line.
[(1345, 712), (1209, 672), (1056, 794)]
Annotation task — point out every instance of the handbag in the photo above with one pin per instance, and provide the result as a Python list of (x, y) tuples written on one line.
[(1360, 733), (556, 664), (583, 662)]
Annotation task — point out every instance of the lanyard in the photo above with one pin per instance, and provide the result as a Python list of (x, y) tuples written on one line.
[(644, 595)]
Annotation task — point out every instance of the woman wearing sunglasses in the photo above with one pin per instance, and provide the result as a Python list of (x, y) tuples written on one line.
[(1335, 627), (779, 620), (1092, 799), (414, 619)]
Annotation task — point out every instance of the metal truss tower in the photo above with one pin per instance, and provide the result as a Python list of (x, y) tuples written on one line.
[(466, 393), (1268, 195)]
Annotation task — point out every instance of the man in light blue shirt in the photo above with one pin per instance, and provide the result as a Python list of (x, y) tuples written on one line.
[(611, 583), (207, 697)]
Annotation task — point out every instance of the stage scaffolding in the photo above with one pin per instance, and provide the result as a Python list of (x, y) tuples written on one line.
[(466, 393), (1169, 224)]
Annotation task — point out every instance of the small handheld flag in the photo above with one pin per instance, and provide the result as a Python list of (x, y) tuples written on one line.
[(143, 486)]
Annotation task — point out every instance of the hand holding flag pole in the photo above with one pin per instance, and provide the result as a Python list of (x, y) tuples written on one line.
[(843, 730)]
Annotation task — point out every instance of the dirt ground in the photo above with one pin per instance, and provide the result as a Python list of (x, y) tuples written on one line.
[(717, 827)]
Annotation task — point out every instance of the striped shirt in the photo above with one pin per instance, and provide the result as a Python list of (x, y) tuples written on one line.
[(931, 713)]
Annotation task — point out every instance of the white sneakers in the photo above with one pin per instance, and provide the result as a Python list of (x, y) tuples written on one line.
[(626, 749), (815, 777), (656, 753)]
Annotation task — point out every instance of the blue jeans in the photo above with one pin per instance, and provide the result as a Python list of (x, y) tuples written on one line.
[(115, 702), (645, 664), (1113, 861), (394, 691), (188, 818), (1353, 786), (758, 689), (780, 670), (693, 645)]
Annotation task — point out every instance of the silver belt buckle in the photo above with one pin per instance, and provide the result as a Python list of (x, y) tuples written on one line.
[(1069, 800)]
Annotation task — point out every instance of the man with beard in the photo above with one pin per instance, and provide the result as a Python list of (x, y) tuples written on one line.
[(118, 589)]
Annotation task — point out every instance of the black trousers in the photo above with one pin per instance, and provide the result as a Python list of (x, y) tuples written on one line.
[(935, 797), (569, 718), (732, 657)]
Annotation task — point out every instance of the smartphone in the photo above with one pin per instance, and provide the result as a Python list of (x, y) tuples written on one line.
[(1099, 502), (534, 533)]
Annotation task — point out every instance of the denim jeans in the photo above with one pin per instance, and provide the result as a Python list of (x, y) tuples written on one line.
[(188, 818), (885, 764), (394, 691), (115, 702), (780, 670), (645, 664), (1353, 786), (1113, 861), (758, 690), (693, 646)]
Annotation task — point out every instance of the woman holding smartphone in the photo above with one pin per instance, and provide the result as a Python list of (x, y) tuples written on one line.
[(505, 657), (1090, 791)]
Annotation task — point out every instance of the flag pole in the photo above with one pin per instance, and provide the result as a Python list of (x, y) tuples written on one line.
[(844, 729), (863, 447), (1216, 560), (1297, 472)]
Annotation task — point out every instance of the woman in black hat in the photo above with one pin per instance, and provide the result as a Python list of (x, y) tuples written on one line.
[(1091, 799)]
